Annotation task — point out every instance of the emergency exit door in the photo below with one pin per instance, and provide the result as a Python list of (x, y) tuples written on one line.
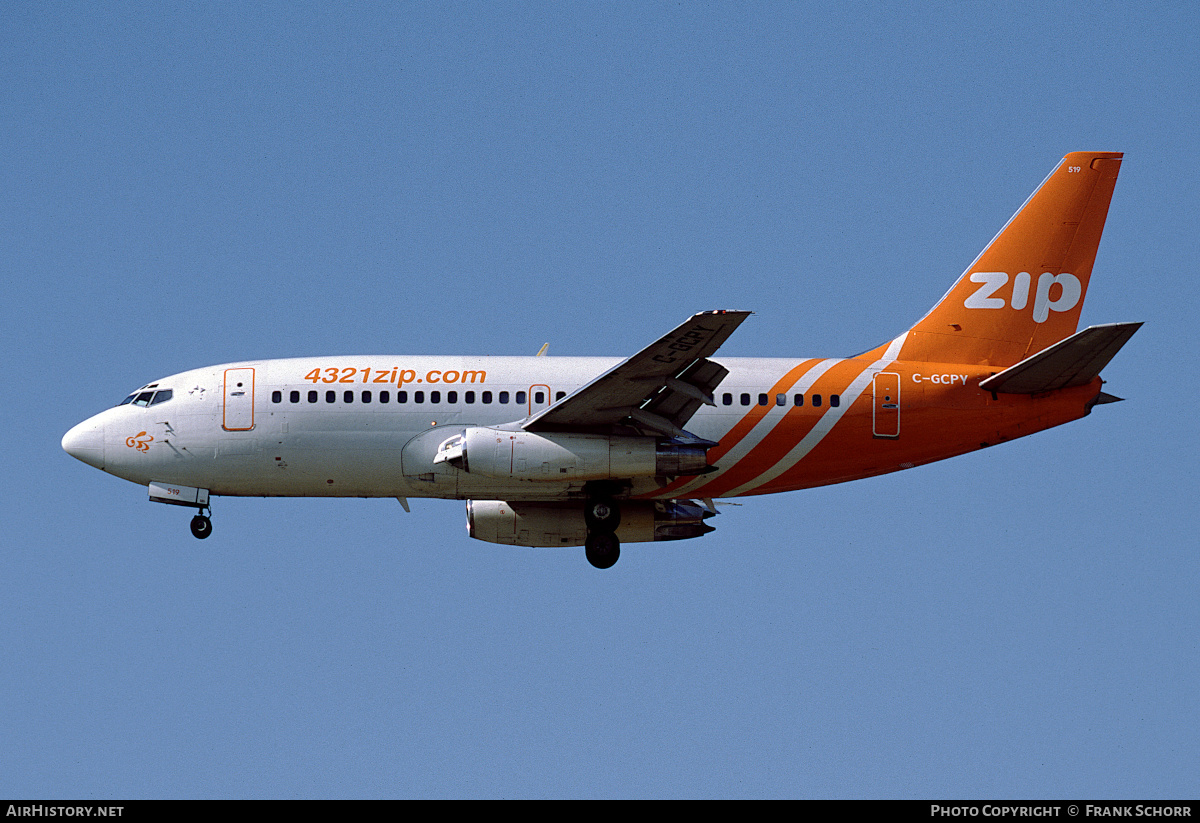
[(539, 399)]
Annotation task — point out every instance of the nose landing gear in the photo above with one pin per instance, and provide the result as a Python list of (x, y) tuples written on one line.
[(177, 495), (201, 526)]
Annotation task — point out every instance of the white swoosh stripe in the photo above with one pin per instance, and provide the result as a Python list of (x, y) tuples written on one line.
[(731, 457), (827, 421)]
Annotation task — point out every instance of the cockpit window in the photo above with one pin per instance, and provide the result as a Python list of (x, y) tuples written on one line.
[(142, 397)]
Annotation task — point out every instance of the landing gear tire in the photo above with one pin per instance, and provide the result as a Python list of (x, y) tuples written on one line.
[(201, 526), (602, 515), (603, 549)]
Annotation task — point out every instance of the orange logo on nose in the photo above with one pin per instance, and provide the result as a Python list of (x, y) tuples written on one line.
[(136, 441)]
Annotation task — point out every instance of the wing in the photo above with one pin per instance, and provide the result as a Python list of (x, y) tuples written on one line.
[(659, 388)]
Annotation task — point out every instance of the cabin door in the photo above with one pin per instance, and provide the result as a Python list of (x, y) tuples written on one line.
[(886, 417), (239, 400)]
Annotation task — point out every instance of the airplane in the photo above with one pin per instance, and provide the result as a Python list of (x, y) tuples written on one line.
[(595, 451)]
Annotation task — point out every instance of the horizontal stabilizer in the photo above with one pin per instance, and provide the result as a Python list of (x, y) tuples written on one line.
[(1070, 362)]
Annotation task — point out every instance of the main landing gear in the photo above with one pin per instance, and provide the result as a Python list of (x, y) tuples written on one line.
[(201, 526), (602, 546)]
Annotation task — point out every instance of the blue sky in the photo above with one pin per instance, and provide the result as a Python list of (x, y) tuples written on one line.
[(185, 186)]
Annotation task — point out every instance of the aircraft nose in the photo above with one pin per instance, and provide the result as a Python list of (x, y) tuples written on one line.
[(86, 442)]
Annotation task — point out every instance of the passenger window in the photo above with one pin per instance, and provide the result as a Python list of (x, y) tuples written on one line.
[(745, 398), (487, 397), (401, 397), (762, 400), (331, 396), (835, 400), (521, 397), (470, 397), (418, 397), (366, 397), (781, 400), (727, 399), (312, 397), (451, 397), (816, 400), (503, 397), (435, 397), (276, 396), (294, 397), (559, 395), (385, 396), (538, 397), (347, 396), (798, 400)]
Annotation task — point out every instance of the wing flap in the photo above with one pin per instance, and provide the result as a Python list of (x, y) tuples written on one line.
[(679, 399), (1070, 362), (665, 382)]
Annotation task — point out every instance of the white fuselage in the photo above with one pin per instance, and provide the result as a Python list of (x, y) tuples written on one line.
[(356, 426)]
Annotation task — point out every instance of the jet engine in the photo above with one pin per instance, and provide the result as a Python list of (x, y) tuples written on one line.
[(544, 525), (555, 456)]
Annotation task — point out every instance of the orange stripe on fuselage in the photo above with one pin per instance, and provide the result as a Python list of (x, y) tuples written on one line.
[(786, 434), (938, 421), (744, 426)]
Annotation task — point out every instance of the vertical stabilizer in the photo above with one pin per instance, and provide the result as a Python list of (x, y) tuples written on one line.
[(1025, 291)]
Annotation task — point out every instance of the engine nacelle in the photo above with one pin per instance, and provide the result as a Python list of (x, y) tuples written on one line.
[(556, 456), (544, 525)]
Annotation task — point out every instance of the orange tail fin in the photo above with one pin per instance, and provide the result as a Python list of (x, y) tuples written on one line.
[(1026, 289)]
